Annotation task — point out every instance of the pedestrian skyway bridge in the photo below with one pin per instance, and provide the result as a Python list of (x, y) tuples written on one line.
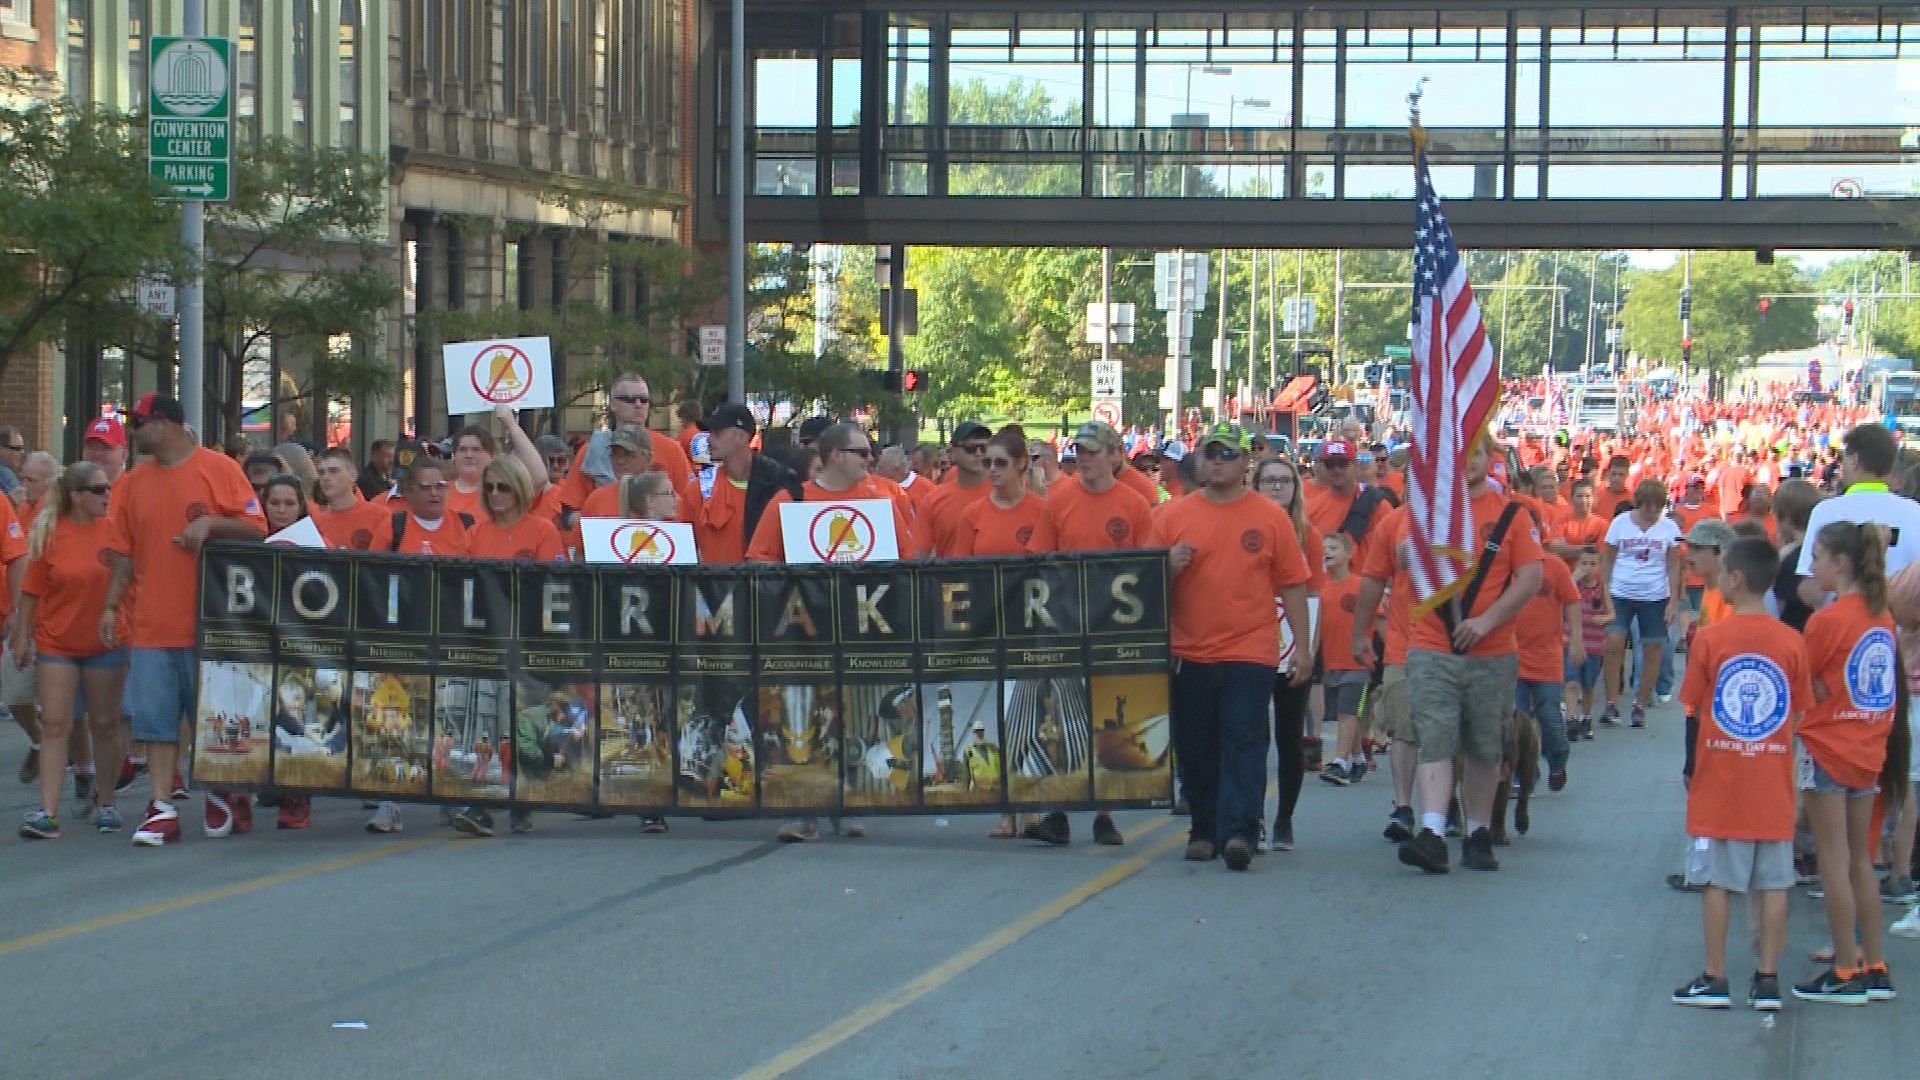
[(1047, 122)]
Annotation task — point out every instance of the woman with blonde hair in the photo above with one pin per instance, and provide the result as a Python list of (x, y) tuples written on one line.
[(1277, 479), (507, 528), (62, 598), (295, 459)]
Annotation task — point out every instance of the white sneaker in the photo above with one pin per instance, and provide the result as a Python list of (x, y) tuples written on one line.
[(1909, 925), (385, 819), (1666, 699)]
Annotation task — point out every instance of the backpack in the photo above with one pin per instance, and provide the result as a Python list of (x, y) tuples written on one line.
[(1360, 514), (400, 526)]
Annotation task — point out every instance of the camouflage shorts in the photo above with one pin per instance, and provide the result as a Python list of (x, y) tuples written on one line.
[(1393, 703), (1460, 704)]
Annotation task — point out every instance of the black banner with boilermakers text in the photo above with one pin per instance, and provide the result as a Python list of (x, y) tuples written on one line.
[(763, 690)]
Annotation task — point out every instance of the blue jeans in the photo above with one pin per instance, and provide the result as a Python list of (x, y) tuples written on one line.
[(1663, 680), (161, 683), (1541, 700), (1220, 735)]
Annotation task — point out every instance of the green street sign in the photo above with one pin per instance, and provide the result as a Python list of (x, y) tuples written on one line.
[(190, 118)]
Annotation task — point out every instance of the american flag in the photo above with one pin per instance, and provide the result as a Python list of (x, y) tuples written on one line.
[(1455, 380)]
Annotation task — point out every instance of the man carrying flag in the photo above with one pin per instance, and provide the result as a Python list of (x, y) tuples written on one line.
[(1472, 558)]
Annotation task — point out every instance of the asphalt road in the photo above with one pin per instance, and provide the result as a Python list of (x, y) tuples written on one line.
[(587, 950)]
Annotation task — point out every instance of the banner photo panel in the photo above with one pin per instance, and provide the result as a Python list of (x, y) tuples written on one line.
[(975, 685), (714, 693)]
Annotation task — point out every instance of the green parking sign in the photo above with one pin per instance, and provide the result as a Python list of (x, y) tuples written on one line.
[(190, 118)]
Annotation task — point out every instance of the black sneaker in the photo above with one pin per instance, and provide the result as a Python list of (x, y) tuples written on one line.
[(1105, 831), (473, 821), (1680, 883), (1335, 774), (1704, 993), (1238, 853), (1050, 829), (1880, 985), (1828, 986), (653, 824), (1763, 993), (1586, 729), (1557, 779), (1399, 828), (1476, 851), (1357, 771), (1426, 851)]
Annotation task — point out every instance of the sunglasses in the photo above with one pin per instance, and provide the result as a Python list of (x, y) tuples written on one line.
[(1000, 463), (633, 399), (99, 489), (1221, 452), (971, 447), (491, 488), (437, 485)]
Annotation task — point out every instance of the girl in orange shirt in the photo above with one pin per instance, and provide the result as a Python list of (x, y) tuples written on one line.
[(62, 598), (1004, 521), (507, 529), (1278, 480), (1845, 742)]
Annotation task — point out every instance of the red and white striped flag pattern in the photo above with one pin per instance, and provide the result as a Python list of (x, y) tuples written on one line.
[(1455, 380)]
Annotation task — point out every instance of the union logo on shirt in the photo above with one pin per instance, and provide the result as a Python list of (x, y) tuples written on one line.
[(1870, 671), (1750, 697)]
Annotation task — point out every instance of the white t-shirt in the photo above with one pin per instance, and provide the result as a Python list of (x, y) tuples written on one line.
[(1640, 557), (1898, 513)]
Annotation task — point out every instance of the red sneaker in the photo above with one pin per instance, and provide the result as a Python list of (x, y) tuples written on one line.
[(219, 821), (179, 785), (130, 773), (162, 826), (242, 812), (296, 812)]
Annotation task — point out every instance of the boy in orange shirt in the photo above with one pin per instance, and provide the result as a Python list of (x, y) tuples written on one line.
[(1746, 685), (1344, 677), (1548, 630)]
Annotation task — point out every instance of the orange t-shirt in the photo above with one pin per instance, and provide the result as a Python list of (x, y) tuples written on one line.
[(151, 509), (720, 523), (1541, 626), (451, 540), (464, 502), (769, 541), (13, 545), (1519, 548), (1385, 564), (1078, 520), (1338, 599), (1851, 656), (69, 585), (919, 492), (668, 457), (363, 526), (1733, 490), (942, 518), (1327, 511), (1581, 532), (1746, 680), (989, 529), (531, 539), (1245, 554)]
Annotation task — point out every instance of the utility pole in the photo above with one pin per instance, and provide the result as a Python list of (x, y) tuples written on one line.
[(736, 205), (1253, 315), (1222, 348), (1273, 335), (1339, 297), (1176, 344), (193, 294), (1106, 303)]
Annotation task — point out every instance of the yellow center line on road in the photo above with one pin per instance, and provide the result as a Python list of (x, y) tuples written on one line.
[(956, 965), (237, 889)]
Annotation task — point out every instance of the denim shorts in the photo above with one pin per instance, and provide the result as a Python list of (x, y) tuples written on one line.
[(161, 684), (1650, 614), (1586, 673), (112, 658), (1817, 780)]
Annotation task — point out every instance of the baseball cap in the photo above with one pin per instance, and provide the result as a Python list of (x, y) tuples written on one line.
[(811, 427), (1070, 453), (1227, 435), (632, 438), (156, 406), (1096, 433), (1711, 532), (1336, 449), (109, 431), (1174, 451), (731, 415), (971, 429)]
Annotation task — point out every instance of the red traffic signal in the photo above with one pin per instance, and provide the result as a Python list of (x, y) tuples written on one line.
[(1848, 308), (913, 382), (1765, 305)]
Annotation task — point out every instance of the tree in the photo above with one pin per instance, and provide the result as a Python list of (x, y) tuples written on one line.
[(1726, 325), (294, 259), (1889, 325), (78, 225)]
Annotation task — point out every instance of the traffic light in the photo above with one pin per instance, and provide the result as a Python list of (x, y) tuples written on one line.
[(895, 382), (1686, 350), (1765, 304), (913, 381), (1848, 308), (1686, 304)]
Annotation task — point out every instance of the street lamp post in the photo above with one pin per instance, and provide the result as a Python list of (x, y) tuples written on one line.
[(1176, 345)]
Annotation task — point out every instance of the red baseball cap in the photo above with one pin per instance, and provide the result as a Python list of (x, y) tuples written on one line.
[(157, 406), (107, 430), (1336, 449)]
